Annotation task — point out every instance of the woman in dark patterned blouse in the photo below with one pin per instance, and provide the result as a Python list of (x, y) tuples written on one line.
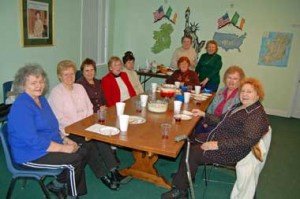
[(92, 85), (236, 132), (184, 74)]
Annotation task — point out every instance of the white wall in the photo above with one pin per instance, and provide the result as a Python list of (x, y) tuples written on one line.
[(133, 30)]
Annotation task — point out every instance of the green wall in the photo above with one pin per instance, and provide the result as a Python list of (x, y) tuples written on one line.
[(67, 15), (133, 30)]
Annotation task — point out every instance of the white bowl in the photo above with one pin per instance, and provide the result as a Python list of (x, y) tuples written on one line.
[(158, 106)]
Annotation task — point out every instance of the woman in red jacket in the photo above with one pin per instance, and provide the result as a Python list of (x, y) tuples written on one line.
[(116, 85)]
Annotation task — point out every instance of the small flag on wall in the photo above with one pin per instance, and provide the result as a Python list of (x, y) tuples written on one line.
[(170, 15), (223, 21), (236, 20), (159, 14)]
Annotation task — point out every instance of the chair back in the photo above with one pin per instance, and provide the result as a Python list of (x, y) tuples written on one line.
[(6, 148), (6, 88), (18, 170), (78, 75), (248, 170), (11, 165)]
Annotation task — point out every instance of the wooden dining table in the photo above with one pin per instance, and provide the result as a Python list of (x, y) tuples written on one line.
[(144, 139)]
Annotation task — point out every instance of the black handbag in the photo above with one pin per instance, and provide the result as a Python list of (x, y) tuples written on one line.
[(4, 109)]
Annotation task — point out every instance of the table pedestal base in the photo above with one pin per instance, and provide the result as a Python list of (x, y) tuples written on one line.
[(143, 169)]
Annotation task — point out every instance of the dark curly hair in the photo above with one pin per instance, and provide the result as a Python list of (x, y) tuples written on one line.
[(128, 56)]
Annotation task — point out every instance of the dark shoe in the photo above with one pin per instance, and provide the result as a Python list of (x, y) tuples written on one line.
[(59, 192), (109, 183), (175, 193), (118, 178)]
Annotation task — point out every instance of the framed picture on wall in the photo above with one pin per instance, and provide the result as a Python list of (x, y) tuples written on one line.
[(37, 22)]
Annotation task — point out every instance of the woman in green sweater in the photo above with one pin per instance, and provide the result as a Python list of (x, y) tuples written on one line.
[(209, 66)]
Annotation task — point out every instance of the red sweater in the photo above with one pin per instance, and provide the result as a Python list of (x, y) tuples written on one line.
[(111, 89)]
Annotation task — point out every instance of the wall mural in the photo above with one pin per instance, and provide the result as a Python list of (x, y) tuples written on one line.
[(159, 14), (191, 29), (229, 41), (162, 38)]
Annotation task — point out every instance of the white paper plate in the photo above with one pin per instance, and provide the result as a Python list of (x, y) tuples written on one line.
[(103, 130), (188, 113), (136, 120), (109, 131), (196, 95), (185, 117), (206, 94), (200, 98)]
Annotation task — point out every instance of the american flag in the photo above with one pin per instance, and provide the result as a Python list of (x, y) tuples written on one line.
[(223, 21), (159, 14)]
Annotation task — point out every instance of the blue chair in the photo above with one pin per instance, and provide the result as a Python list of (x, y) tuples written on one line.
[(78, 75), (6, 88), (19, 172)]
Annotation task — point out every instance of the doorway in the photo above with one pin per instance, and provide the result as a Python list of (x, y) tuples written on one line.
[(295, 112)]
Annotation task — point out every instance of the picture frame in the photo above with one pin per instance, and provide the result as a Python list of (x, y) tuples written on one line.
[(37, 22)]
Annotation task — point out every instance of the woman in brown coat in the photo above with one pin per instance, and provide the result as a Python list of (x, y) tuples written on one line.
[(230, 141), (184, 74)]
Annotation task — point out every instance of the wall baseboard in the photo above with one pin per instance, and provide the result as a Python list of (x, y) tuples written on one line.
[(277, 112)]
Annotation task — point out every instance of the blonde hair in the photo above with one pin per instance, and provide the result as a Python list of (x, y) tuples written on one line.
[(64, 65), (234, 69), (113, 59)]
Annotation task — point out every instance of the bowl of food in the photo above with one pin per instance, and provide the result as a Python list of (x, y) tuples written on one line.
[(157, 106)]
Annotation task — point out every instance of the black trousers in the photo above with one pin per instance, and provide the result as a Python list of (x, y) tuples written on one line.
[(100, 158), (73, 173), (196, 158)]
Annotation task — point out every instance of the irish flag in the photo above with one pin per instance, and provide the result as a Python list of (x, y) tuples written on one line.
[(238, 21)]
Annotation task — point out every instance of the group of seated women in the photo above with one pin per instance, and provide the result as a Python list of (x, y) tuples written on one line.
[(234, 122)]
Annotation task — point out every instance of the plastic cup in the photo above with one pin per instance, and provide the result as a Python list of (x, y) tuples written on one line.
[(144, 99), (187, 96), (183, 88), (177, 106), (153, 87), (165, 130), (138, 106), (124, 120), (197, 90), (101, 116), (120, 106), (177, 84)]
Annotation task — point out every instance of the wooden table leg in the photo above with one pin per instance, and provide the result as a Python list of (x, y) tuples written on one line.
[(143, 169)]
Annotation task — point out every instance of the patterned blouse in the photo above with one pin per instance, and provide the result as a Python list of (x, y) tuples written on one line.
[(236, 132), (189, 78)]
